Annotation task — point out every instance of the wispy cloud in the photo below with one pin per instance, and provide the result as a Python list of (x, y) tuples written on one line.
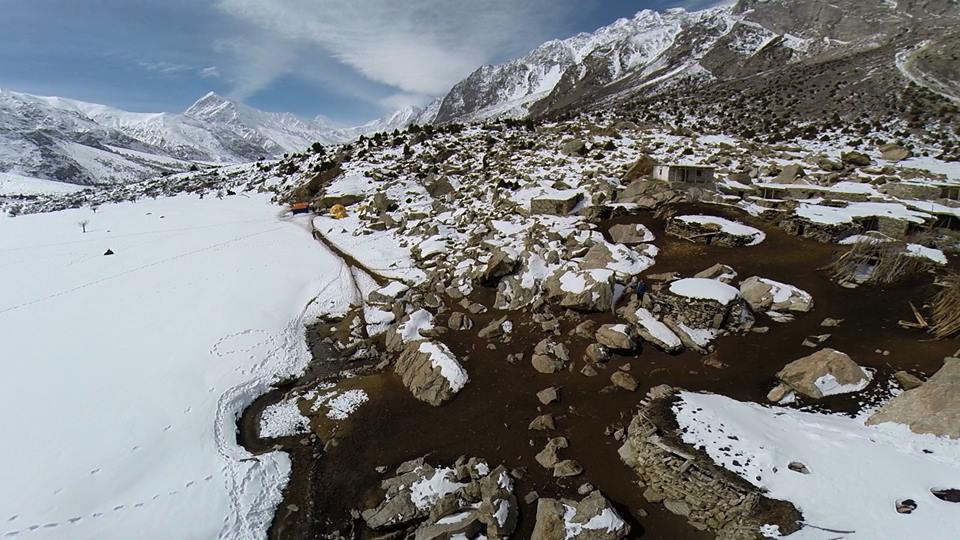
[(171, 68), (418, 47)]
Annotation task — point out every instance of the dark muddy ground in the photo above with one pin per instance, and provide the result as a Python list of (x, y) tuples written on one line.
[(489, 417)]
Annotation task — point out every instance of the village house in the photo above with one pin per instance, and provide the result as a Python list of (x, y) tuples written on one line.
[(685, 174)]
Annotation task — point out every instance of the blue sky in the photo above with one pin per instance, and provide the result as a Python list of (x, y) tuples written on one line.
[(350, 60)]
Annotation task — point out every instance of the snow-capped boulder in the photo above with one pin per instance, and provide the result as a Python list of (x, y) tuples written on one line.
[(593, 518), (654, 331), (583, 290), (431, 371), (824, 373), (763, 294)]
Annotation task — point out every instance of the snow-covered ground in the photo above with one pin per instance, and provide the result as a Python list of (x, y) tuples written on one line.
[(15, 184), (856, 473), (123, 374)]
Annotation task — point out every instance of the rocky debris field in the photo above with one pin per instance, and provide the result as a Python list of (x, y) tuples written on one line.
[(519, 288)]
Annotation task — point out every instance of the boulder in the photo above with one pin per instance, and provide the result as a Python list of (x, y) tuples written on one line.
[(624, 380), (574, 147), (593, 518), (559, 203), (544, 422), (933, 407), (719, 272), (764, 294), (649, 194), (824, 373), (632, 233), (550, 356), (583, 290), (643, 167), (567, 468), (907, 381), (651, 330), (857, 159), (790, 174), (894, 152), (616, 337), (465, 524), (596, 353), (430, 371), (500, 264), (548, 458), (549, 395)]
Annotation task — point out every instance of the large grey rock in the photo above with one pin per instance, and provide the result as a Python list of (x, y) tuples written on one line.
[(593, 518), (824, 372), (433, 380), (933, 407)]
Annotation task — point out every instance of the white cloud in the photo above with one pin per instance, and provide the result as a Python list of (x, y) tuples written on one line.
[(418, 47)]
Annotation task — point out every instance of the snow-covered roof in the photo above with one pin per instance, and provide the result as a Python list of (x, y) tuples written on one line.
[(704, 289)]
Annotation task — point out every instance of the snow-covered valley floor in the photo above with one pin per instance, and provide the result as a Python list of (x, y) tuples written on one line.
[(123, 374)]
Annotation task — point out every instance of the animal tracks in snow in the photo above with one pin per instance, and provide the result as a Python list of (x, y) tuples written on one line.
[(119, 508)]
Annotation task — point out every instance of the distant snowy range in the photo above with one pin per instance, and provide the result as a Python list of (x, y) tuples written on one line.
[(74, 142)]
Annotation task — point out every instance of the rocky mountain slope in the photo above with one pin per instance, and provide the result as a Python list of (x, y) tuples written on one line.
[(774, 49), (85, 143)]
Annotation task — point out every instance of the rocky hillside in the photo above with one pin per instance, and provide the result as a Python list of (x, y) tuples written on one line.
[(810, 58)]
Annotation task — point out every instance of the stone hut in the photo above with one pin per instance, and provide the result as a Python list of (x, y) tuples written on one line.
[(699, 303)]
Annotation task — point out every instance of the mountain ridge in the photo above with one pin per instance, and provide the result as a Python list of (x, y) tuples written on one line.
[(79, 142)]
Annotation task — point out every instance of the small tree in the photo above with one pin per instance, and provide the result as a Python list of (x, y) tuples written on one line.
[(83, 224)]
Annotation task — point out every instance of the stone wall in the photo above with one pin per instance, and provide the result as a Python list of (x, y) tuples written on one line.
[(688, 484)]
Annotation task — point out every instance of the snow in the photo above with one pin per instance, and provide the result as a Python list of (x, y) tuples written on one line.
[(427, 491), (657, 329), (705, 289), (340, 405), (831, 215), (782, 292), (933, 254), (829, 386), (450, 369), (607, 520), (380, 252), (503, 511), (857, 472), (573, 282), (15, 184), (701, 336), (283, 419), (419, 320), (128, 417), (727, 226)]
